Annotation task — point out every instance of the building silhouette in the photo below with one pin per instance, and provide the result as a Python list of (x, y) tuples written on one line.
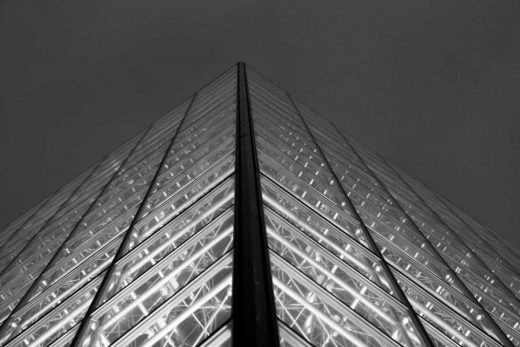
[(244, 218)]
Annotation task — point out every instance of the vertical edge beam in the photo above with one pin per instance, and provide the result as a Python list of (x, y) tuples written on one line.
[(467, 292), (104, 286), (254, 313), (417, 324)]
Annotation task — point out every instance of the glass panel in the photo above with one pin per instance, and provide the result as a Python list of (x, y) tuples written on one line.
[(59, 321), (434, 312), (320, 318), (329, 236), (188, 317), (341, 281), (161, 282), (173, 234)]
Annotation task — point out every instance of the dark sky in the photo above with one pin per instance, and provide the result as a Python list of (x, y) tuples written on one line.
[(431, 85)]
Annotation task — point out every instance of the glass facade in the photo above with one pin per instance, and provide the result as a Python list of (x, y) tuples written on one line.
[(139, 249)]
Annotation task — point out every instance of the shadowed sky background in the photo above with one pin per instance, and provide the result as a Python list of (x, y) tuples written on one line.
[(433, 86)]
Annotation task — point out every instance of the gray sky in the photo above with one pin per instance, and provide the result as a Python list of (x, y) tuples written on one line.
[(431, 85)]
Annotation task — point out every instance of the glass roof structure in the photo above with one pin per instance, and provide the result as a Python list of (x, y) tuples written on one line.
[(244, 218)]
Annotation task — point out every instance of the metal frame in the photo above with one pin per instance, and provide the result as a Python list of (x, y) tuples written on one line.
[(254, 313)]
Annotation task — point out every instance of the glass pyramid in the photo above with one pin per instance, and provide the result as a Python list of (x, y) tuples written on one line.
[(243, 218)]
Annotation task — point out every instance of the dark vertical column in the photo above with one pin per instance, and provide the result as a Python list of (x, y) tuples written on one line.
[(254, 313), (417, 324)]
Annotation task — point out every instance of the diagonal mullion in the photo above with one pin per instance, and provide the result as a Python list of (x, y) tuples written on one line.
[(459, 239), (334, 238), (418, 325), (441, 205), (467, 293), (448, 228), (30, 220), (104, 287), (27, 220), (7, 229), (485, 233), (29, 242), (328, 298), (27, 296), (470, 284), (331, 258), (48, 222)]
